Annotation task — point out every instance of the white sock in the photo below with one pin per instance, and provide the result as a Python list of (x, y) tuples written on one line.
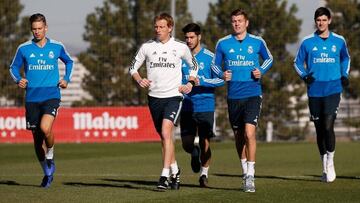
[(251, 168), (324, 160), (204, 171), (165, 172), (244, 166), (330, 158), (174, 168), (50, 153)]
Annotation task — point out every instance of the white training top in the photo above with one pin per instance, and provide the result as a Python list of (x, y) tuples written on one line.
[(163, 65)]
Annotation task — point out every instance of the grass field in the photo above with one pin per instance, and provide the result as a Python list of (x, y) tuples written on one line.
[(128, 172)]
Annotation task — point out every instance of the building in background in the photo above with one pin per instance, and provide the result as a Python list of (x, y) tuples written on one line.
[(74, 92)]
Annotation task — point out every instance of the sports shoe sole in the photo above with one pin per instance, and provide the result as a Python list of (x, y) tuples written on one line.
[(195, 161)]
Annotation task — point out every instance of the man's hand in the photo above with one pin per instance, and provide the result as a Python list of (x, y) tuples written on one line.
[(309, 78), (186, 89), (23, 83), (256, 74), (197, 81), (227, 75), (144, 83), (63, 83)]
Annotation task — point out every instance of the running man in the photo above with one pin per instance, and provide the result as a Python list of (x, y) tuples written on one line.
[(323, 62), (197, 114), (163, 56), (239, 52), (42, 83)]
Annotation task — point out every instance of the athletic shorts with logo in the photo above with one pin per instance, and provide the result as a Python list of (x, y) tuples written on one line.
[(242, 111), (164, 108), (35, 111), (323, 106)]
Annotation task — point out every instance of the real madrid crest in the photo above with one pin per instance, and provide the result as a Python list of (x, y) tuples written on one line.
[(201, 65), (333, 48), (250, 50), (51, 54)]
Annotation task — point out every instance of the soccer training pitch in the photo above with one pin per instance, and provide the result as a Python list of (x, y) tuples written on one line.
[(128, 172)]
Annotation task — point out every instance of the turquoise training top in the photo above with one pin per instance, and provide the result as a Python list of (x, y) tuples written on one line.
[(326, 59), (202, 98), (41, 69), (242, 57)]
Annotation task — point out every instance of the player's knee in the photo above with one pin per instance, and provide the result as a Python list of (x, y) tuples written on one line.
[(187, 144), (46, 130), (329, 122), (250, 137), (187, 147), (250, 134), (166, 136)]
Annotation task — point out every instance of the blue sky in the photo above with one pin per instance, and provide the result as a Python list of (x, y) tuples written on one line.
[(66, 18)]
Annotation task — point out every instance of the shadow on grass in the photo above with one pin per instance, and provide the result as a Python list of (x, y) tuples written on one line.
[(126, 186), (301, 178), (338, 177), (152, 183), (307, 177), (14, 183)]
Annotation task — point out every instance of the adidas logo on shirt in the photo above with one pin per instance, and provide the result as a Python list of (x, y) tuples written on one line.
[(315, 49), (231, 51), (32, 55)]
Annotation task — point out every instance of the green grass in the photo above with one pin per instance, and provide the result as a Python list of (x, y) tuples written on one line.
[(128, 172)]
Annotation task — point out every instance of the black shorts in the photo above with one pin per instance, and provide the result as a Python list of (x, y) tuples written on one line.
[(164, 108), (242, 111), (197, 122), (35, 111), (323, 106)]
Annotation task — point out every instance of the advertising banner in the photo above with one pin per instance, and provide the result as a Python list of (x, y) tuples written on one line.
[(83, 125)]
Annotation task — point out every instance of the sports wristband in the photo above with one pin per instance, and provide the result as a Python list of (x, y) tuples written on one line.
[(192, 82)]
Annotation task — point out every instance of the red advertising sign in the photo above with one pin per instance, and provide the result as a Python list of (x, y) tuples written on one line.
[(95, 124)]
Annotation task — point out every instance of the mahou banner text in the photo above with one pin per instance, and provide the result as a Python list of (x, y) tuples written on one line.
[(95, 124)]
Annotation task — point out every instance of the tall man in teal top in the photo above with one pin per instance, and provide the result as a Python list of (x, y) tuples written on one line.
[(240, 54), (323, 62), (42, 82)]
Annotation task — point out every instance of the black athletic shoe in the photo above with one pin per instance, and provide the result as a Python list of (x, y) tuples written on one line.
[(195, 160), (175, 181), (46, 181), (163, 183), (203, 180)]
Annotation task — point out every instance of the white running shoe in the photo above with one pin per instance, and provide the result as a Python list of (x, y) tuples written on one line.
[(324, 165), (249, 185), (331, 175)]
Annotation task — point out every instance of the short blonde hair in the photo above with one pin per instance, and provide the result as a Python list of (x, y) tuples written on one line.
[(165, 16)]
